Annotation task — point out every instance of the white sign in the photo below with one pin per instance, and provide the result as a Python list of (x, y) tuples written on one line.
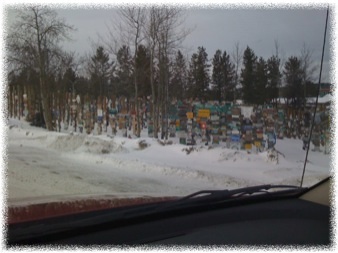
[(99, 112), (214, 117), (78, 99), (246, 111)]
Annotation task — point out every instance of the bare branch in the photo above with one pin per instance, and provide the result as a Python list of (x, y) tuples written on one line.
[(33, 43)]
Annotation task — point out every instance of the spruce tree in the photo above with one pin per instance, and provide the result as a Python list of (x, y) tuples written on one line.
[(248, 75), (223, 75), (143, 71), (124, 69), (293, 75), (274, 78), (228, 69), (199, 75), (260, 94), (217, 76), (100, 72), (178, 82)]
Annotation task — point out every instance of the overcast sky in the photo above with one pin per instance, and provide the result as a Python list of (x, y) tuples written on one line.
[(221, 28)]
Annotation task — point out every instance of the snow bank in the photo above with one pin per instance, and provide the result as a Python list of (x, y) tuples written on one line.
[(82, 143), (49, 164)]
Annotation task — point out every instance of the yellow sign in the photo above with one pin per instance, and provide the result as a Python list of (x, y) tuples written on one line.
[(190, 115), (204, 113), (248, 146), (258, 144)]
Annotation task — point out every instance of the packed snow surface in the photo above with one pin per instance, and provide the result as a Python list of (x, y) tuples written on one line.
[(47, 165)]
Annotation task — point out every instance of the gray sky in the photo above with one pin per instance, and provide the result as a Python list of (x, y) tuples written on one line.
[(216, 28)]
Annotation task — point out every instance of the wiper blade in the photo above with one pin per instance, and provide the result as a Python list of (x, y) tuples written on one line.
[(213, 196), (236, 192)]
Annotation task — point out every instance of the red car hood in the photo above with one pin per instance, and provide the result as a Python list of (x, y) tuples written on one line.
[(38, 208)]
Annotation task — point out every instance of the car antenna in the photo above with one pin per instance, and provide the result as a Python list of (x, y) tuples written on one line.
[(318, 90)]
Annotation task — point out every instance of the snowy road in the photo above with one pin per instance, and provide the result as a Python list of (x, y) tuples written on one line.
[(46, 164), (40, 172)]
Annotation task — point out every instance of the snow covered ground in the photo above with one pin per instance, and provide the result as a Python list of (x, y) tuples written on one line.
[(49, 165)]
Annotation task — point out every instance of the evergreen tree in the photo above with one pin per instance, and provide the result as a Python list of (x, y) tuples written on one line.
[(311, 89), (223, 76), (100, 72), (69, 78), (199, 75), (192, 80), (293, 79), (274, 77), (248, 75), (143, 71), (217, 76), (261, 82), (124, 71), (178, 82)]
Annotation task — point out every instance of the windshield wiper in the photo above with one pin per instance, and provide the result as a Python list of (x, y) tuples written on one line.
[(236, 192), (214, 196), (201, 199)]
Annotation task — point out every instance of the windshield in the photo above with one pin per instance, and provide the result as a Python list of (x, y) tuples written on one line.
[(163, 101)]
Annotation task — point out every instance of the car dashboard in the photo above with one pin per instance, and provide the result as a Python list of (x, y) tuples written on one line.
[(293, 220)]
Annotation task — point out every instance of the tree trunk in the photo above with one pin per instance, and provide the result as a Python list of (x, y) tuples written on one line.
[(10, 101), (137, 106), (45, 104), (159, 91), (153, 95), (166, 98)]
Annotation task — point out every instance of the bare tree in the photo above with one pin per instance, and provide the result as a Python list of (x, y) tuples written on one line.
[(133, 19), (237, 56), (152, 29), (33, 41), (115, 36), (173, 33), (165, 31), (308, 67), (280, 54)]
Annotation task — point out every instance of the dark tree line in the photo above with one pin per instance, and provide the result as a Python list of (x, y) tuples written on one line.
[(152, 67)]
